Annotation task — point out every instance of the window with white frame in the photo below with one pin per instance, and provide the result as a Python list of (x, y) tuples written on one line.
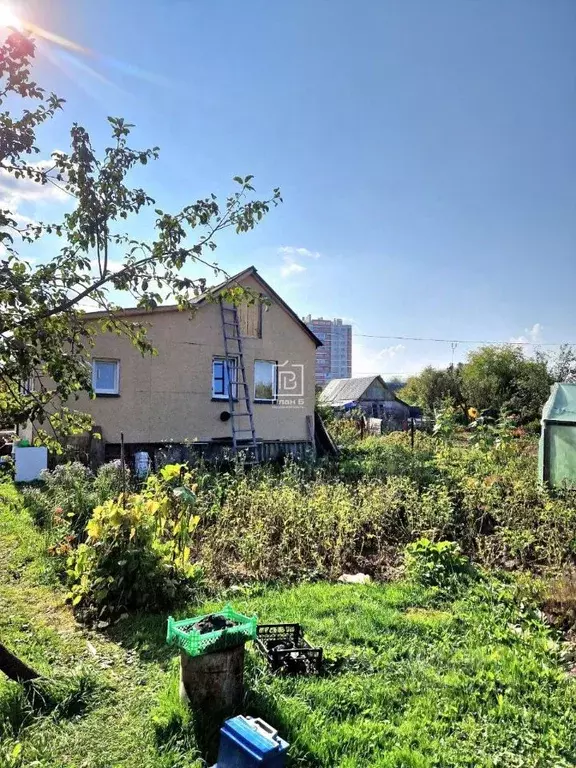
[(106, 377), (265, 388), (224, 376)]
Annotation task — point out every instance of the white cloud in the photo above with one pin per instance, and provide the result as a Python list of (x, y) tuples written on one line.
[(113, 265), (28, 189), (290, 256), (389, 353), (531, 335), (15, 192), (367, 360), (292, 252), (291, 268)]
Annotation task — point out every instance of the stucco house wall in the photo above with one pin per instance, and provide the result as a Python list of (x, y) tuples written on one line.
[(168, 397)]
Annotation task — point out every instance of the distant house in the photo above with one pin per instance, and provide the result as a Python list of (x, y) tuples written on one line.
[(371, 395), (197, 391)]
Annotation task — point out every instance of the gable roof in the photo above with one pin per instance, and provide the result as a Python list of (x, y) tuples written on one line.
[(340, 391), (234, 279)]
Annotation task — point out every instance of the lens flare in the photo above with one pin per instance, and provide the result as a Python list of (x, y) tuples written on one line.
[(9, 19), (71, 52)]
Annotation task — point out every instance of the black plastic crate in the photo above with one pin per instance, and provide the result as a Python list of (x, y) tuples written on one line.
[(286, 649)]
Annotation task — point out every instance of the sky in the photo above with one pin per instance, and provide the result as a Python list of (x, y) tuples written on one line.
[(426, 151)]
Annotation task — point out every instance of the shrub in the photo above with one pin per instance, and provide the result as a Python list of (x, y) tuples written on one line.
[(137, 553), (71, 492), (39, 504), (559, 600), (70, 488), (391, 455), (436, 564), (109, 482)]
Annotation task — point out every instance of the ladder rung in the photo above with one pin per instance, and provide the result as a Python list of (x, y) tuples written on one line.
[(242, 413), (244, 430), (225, 322)]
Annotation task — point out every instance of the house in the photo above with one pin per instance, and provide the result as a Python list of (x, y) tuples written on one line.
[(371, 395), (179, 400)]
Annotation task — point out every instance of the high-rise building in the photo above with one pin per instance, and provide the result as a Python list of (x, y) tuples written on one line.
[(334, 357)]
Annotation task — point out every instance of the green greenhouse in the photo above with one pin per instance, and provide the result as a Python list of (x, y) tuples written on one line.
[(557, 453)]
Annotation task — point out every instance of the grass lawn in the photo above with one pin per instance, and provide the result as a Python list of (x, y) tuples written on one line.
[(413, 681)]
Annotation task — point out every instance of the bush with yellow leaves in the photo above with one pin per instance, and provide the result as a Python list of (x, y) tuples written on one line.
[(137, 551)]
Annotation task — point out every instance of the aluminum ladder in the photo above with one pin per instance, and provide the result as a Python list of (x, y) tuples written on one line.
[(238, 385)]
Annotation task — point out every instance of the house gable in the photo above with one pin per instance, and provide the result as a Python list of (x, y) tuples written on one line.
[(377, 390), (170, 397), (250, 315), (360, 389)]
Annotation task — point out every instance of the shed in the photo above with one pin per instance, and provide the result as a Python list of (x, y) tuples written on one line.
[(557, 450), (371, 394)]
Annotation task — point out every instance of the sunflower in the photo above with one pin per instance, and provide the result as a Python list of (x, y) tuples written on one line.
[(473, 413)]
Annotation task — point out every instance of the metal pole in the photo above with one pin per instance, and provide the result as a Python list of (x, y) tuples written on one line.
[(123, 469), (412, 432)]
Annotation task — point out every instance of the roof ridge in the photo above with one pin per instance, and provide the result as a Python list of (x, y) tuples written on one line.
[(251, 270)]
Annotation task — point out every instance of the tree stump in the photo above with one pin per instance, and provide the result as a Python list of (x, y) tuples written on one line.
[(213, 682)]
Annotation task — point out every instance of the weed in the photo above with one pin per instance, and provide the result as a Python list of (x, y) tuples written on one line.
[(437, 564), (61, 696)]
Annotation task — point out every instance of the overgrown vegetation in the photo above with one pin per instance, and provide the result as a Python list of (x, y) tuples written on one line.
[(141, 549), (454, 666), (413, 677), (480, 492)]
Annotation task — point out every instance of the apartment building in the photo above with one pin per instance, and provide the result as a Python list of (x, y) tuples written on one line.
[(334, 357)]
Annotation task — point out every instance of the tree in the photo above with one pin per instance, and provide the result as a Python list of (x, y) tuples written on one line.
[(433, 387), (489, 375), (562, 365), (43, 334), (501, 377), (497, 377)]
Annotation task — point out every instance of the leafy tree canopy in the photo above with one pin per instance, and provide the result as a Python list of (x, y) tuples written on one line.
[(43, 333), (496, 377)]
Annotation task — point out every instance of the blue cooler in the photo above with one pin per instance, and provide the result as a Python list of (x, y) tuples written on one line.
[(246, 742)]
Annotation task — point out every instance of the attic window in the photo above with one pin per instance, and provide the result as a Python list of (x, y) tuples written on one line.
[(250, 319)]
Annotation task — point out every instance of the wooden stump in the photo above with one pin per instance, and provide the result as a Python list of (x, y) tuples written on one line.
[(214, 682)]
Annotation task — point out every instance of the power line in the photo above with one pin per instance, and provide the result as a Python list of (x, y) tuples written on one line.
[(466, 341)]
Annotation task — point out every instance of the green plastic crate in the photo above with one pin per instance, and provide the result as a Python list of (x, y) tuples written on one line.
[(195, 643)]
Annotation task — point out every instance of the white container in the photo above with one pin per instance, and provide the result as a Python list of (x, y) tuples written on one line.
[(142, 463), (29, 462)]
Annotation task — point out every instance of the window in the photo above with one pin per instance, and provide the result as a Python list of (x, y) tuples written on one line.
[(106, 377), (265, 381), (222, 372)]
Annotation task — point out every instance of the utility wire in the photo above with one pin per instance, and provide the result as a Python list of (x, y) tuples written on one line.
[(465, 341)]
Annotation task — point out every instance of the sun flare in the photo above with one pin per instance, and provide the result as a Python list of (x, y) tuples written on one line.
[(8, 18)]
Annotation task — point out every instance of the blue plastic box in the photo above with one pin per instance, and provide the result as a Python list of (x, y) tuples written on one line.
[(246, 742)]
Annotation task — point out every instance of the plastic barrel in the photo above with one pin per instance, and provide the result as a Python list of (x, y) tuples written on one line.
[(141, 463)]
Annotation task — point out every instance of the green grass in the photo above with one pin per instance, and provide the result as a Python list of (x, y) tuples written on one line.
[(415, 681)]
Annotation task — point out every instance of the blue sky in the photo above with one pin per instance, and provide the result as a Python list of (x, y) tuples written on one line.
[(426, 151)]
